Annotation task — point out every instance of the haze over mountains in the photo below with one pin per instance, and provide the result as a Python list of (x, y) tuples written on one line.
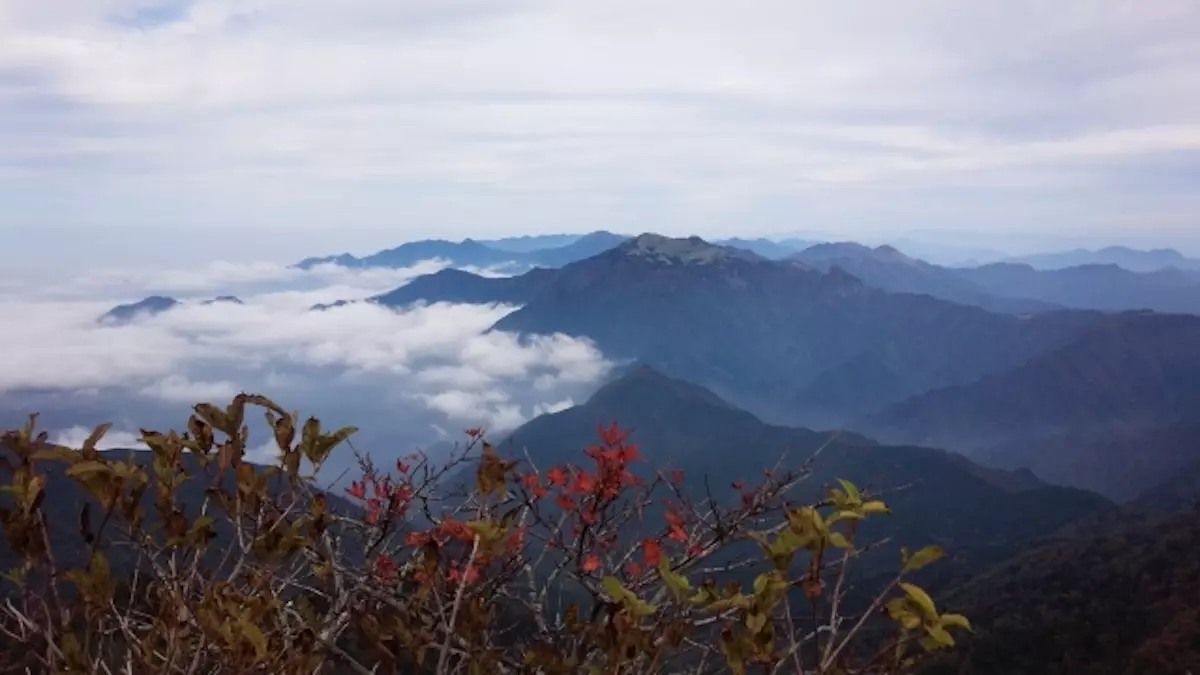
[(1053, 408)]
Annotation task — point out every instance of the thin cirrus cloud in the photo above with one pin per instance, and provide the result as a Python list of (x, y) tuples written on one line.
[(366, 122), (440, 358)]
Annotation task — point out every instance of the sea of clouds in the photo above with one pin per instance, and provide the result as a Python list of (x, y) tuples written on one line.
[(410, 378)]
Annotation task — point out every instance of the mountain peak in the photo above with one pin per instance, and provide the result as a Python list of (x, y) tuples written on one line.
[(151, 305), (643, 382), (689, 251)]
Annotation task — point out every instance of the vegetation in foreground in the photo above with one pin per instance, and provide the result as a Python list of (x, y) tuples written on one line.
[(563, 569)]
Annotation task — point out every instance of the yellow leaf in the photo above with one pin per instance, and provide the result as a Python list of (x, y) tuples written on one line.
[(88, 467), (921, 599), (926, 556), (940, 636), (873, 507), (956, 620)]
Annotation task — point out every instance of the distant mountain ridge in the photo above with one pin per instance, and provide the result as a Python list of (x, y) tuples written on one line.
[(886, 268), (152, 305), (470, 253), (1131, 259), (756, 330), (1106, 287)]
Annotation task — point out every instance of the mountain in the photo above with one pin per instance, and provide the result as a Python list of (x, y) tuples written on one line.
[(528, 243), (1116, 603), (451, 285), (155, 304), (782, 338), (1135, 464), (1105, 287), (584, 247), (471, 253), (759, 331), (680, 425), (798, 244), (764, 247), (463, 253), (1179, 492), (888, 269), (1130, 371), (220, 299), (1113, 411), (1131, 259)]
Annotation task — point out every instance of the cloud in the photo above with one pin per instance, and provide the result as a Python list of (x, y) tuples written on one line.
[(279, 284), (114, 439), (242, 123), (551, 408), (440, 358), (180, 389)]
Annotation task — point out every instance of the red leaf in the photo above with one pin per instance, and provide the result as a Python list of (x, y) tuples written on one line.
[(584, 483), (385, 566), (566, 503), (591, 564), (738, 485), (357, 489), (677, 477), (557, 476), (652, 552)]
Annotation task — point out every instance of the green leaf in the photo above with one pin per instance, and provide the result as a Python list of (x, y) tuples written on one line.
[(851, 490), (676, 583), (926, 556), (921, 599), (614, 588)]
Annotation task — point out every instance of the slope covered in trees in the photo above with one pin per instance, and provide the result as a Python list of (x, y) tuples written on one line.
[(1123, 603)]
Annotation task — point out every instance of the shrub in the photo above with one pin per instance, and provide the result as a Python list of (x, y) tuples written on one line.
[(189, 559)]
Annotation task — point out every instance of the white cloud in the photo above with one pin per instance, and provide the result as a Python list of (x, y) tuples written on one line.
[(180, 389), (551, 408), (278, 284), (112, 440), (440, 355)]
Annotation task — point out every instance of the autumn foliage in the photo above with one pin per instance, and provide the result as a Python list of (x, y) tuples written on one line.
[(193, 560)]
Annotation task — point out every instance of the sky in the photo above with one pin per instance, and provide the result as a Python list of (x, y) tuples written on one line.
[(137, 131)]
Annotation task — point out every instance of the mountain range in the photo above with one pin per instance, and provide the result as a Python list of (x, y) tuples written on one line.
[(1082, 586), (1130, 259), (802, 342), (519, 255), (154, 304), (1015, 287)]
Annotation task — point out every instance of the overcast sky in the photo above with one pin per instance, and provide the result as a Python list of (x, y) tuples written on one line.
[(272, 129)]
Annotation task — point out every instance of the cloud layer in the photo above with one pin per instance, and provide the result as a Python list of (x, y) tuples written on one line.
[(424, 368), (366, 122)]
